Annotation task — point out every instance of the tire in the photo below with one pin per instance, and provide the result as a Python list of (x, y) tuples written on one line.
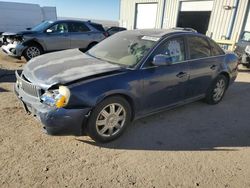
[(103, 125), (32, 51), (217, 90)]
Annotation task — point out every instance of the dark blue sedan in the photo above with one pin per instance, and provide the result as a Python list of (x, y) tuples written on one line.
[(125, 77)]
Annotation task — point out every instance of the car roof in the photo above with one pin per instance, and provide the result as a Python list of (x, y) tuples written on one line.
[(88, 21), (160, 32)]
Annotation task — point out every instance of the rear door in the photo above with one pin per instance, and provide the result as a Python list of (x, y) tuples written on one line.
[(203, 64), (165, 85), (57, 37), (80, 35)]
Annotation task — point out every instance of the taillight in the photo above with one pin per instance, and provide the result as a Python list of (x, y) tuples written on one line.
[(106, 34)]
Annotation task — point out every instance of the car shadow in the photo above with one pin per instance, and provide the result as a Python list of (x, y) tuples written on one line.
[(244, 70), (3, 90), (195, 126), (7, 75)]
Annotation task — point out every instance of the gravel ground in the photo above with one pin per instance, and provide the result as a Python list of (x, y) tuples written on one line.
[(196, 145)]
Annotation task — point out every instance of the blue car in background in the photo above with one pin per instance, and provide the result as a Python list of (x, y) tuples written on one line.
[(125, 77)]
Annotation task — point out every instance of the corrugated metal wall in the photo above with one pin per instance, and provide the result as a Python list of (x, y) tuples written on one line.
[(219, 20)]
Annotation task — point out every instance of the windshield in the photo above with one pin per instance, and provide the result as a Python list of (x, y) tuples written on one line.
[(125, 48), (42, 26), (246, 36)]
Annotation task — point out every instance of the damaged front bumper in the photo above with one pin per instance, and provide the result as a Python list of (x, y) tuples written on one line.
[(13, 49), (56, 121)]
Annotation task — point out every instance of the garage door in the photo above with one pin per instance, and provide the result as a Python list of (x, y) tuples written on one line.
[(195, 14), (145, 15), (197, 6)]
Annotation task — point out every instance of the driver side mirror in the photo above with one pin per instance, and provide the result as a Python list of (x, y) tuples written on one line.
[(29, 28), (161, 60)]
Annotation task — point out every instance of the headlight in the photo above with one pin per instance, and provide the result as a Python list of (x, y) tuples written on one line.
[(56, 98)]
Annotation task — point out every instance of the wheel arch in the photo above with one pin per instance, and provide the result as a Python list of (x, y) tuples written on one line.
[(226, 74), (30, 42), (125, 96)]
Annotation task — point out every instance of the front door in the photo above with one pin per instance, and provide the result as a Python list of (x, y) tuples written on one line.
[(57, 37), (165, 85)]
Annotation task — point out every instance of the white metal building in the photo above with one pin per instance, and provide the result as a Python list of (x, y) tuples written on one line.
[(220, 19), (19, 16)]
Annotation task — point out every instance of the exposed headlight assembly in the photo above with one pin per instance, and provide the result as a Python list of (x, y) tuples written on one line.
[(56, 98)]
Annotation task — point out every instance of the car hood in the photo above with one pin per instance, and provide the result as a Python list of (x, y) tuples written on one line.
[(64, 67), (20, 33)]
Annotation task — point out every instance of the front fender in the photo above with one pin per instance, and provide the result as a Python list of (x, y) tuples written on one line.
[(30, 41), (91, 92)]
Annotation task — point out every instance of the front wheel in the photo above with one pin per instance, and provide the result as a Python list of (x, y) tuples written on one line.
[(217, 90), (32, 51), (109, 119)]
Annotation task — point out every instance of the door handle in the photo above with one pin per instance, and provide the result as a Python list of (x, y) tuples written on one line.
[(213, 67), (181, 74)]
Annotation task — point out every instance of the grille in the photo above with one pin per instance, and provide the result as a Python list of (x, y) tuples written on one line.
[(26, 86)]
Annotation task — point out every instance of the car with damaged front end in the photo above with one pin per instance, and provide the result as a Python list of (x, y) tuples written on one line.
[(125, 77), (50, 36), (243, 49)]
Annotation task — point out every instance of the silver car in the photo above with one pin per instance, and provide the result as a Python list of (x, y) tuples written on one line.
[(52, 36)]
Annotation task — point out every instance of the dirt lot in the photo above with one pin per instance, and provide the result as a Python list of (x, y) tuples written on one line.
[(196, 145)]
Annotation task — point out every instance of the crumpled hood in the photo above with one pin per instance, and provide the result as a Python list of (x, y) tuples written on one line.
[(63, 67), (20, 33)]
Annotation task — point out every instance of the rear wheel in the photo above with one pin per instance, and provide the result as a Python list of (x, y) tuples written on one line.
[(217, 90), (32, 51), (109, 119)]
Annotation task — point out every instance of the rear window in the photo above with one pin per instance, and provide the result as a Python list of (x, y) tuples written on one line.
[(198, 47), (215, 49), (114, 29), (99, 27)]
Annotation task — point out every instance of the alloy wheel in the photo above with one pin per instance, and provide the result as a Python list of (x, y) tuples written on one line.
[(33, 51), (219, 90), (110, 120)]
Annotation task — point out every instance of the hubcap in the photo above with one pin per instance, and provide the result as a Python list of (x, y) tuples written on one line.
[(33, 52), (219, 90), (110, 120)]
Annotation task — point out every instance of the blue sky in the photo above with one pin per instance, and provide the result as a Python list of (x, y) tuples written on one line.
[(93, 9)]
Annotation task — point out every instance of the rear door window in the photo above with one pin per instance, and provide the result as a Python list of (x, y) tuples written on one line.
[(99, 27), (78, 27), (198, 47)]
